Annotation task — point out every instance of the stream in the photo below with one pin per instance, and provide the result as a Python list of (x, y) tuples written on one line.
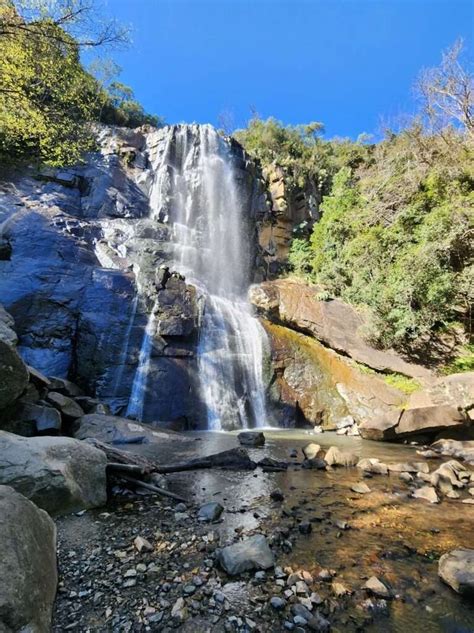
[(383, 533)]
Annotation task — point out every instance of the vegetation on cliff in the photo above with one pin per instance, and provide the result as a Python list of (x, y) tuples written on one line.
[(48, 101), (396, 231)]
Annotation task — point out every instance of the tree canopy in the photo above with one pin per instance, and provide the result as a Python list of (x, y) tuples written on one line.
[(49, 103)]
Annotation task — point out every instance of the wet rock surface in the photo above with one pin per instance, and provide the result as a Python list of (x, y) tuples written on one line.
[(251, 553)]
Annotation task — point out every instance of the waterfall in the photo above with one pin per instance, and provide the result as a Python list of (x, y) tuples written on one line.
[(196, 190), (124, 350), (139, 386)]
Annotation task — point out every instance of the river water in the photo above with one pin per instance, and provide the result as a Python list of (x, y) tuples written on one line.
[(391, 535)]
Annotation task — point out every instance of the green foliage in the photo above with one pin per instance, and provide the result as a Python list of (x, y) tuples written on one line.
[(396, 233), (48, 102), (406, 252), (464, 361), (299, 151), (46, 97), (121, 108), (402, 383)]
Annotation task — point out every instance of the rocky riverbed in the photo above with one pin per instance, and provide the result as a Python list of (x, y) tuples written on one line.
[(352, 551)]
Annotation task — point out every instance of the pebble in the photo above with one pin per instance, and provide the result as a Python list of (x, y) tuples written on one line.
[(361, 488), (278, 603), (141, 544), (277, 495)]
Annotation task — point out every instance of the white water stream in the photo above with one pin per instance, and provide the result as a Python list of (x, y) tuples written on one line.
[(196, 190)]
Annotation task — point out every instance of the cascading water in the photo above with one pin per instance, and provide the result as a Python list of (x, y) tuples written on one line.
[(213, 250), (196, 190)]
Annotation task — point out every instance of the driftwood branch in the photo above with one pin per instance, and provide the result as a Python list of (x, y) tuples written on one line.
[(126, 468), (153, 488)]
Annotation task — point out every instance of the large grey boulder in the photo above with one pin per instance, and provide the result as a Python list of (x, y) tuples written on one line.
[(430, 420), (59, 474), (336, 457), (65, 405), (112, 429), (13, 375), (7, 328), (456, 569), (42, 419), (251, 553), (28, 573)]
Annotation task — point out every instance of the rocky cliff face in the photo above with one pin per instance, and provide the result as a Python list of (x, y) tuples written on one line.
[(84, 261), (288, 207), (323, 373)]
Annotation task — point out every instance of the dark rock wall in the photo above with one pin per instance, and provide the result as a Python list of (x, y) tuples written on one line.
[(76, 248)]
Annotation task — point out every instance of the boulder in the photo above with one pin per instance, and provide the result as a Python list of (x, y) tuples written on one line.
[(336, 457), (38, 379), (456, 569), (313, 385), (67, 406), (65, 387), (13, 375), (7, 328), (428, 493), (251, 553), (381, 427), (456, 390), (373, 466), (334, 323), (452, 472), (377, 588), (425, 421), (455, 448), (28, 573), (43, 419), (315, 464), (59, 474), (111, 429), (360, 487), (210, 512), (432, 419), (251, 438), (312, 450)]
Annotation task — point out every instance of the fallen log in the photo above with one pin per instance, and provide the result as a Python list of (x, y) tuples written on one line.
[(153, 488), (125, 468), (232, 459), (117, 456)]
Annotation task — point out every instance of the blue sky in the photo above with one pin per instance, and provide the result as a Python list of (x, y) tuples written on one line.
[(347, 63)]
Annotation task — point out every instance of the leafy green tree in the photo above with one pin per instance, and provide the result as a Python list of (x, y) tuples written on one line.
[(121, 108), (47, 99), (49, 104)]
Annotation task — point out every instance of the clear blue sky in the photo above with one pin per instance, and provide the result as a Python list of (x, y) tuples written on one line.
[(346, 63)]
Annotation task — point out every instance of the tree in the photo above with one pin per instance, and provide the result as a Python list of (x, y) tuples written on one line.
[(47, 99), (447, 92), (121, 108), (76, 18)]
